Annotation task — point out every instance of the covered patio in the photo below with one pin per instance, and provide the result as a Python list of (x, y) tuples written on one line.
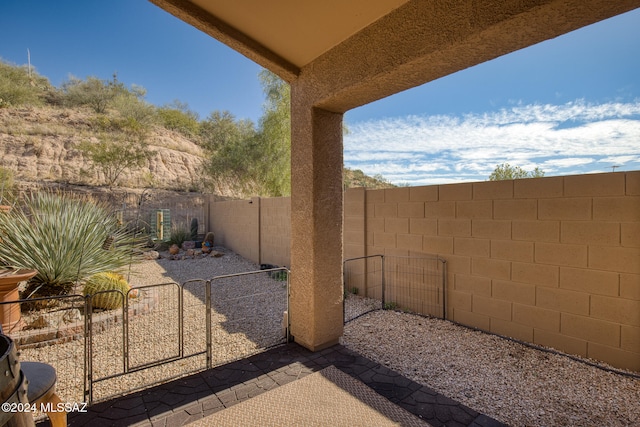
[(337, 56), (202, 398)]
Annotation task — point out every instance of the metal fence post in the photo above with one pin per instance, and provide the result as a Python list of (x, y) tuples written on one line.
[(125, 332), (444, 289), (89, 323), (344, 292), (87, 392), (383, 280), (181, 320), (207, 294)]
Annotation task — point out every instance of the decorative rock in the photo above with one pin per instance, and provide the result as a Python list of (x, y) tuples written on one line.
[(174, 249), (71, 316), (189, 244), (39, 323), (151, 255)]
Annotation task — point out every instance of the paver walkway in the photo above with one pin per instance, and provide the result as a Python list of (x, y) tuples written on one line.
[(191, 398)]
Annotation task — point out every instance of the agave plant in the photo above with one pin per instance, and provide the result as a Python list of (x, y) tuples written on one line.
[(66, 238)]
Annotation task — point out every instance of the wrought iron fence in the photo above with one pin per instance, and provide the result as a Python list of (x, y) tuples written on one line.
[(415, 284), (155, 334), (53, 330)]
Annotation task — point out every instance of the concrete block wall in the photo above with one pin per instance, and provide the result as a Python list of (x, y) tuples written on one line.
[(554, 261), (258, 229), (275, 231), (353, 233), (235, 225)]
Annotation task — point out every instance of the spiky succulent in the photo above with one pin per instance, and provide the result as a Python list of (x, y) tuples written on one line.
[(108, 290), (63, 237)]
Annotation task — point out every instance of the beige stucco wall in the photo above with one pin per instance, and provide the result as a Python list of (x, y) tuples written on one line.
[(554, 261)]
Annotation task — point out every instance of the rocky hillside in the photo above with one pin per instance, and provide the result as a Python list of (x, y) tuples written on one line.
[(41, 144)]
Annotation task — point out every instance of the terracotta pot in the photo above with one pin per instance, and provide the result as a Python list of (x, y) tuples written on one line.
[(9, 279)]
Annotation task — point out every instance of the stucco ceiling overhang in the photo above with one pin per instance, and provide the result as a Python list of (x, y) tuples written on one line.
[(352, 52), (299, 30), (281, 35)]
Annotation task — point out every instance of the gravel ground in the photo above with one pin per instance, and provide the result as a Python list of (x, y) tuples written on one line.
[(246, 317), (508, 381), (513, 383)]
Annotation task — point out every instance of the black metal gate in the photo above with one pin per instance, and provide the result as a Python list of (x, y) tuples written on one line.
[(157, 332), (415, 284)]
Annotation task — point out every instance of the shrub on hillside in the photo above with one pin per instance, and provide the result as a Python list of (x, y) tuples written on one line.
[(21, 86), (102, 95), (180, 118), (92, 92), (113, 154), (132, 107)]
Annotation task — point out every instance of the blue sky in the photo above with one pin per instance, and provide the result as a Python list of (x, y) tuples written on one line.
[(569, 105)]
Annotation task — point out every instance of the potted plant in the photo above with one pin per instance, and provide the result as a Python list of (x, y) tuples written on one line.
[(10, 278)]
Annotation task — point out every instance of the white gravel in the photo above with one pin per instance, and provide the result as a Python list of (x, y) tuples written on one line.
[(246, 317), (508, 381), (513, 383)]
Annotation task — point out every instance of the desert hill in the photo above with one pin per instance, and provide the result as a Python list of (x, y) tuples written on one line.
[(41, 144)]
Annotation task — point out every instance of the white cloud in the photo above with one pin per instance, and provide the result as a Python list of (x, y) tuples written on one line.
[(431, 149), (568, 162), (621, 160)]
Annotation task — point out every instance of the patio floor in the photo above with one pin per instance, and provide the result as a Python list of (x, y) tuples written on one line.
[(192, 398)]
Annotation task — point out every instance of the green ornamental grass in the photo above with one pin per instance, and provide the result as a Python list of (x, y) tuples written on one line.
[(63, 237)]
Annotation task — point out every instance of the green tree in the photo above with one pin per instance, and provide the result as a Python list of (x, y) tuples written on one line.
[(221, 129), (21, 86), (230, 143), (506, 172), (114, 154), (259, 160), (274, 137)]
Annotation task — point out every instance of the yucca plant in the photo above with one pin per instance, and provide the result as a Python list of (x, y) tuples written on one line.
[(179, 234), (66, 238)]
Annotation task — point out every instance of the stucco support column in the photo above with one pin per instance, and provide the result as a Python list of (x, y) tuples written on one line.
[(316, 225)]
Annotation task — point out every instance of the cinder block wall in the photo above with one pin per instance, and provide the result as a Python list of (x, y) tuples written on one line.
[(275, 231), (354, 232), (554, 261), (258, 229), (235, 225)]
